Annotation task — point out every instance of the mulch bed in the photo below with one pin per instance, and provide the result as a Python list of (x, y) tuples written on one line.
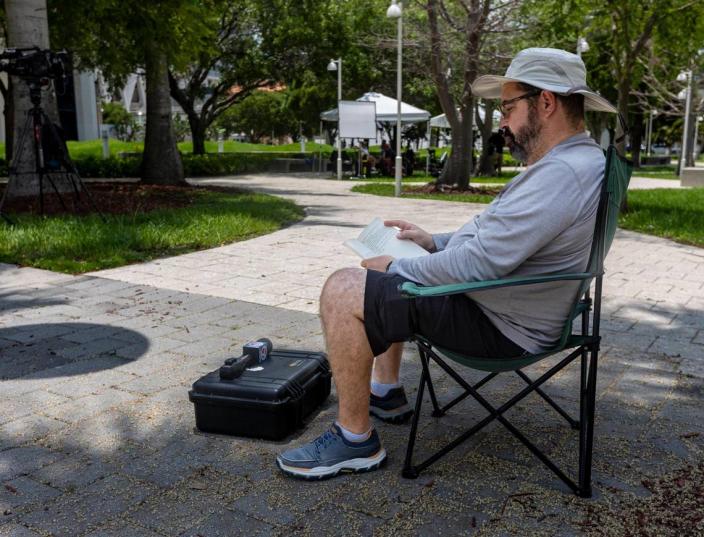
[(434, 188), (110, 198)]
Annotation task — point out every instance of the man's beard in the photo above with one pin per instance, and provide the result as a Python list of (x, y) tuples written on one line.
[(522, 144)]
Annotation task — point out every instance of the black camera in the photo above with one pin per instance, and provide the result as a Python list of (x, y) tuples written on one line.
[(35, 64)]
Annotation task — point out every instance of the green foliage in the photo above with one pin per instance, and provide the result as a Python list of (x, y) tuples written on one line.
[(181, 127), (80, 244), (262, 114), (125, 126)]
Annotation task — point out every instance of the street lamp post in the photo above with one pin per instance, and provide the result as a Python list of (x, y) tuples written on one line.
[(395, 12), (649, 147), (336, 65), (582, 46), (685, 76)]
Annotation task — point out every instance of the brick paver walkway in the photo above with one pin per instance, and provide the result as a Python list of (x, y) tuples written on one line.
[(97, 434)]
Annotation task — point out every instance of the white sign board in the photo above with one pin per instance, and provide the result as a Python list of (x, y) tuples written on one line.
[(357, 119)]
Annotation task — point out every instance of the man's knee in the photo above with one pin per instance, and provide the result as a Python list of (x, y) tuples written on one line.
[(343, 291)]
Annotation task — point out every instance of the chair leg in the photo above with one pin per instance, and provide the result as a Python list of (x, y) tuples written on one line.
[(586, 436), (409, 471), (437, 411)]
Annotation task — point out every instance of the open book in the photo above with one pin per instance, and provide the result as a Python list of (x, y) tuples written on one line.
[(377, 239)]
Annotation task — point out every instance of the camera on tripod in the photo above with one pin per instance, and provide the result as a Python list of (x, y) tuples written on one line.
[(34, 64), (40, 137)]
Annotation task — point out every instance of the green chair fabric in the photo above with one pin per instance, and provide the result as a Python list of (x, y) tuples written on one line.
[(585, 345)]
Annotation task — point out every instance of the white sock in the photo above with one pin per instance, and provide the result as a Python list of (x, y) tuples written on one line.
[(380, 390), (354, 437)]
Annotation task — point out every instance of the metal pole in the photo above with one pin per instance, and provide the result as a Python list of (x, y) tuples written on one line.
[(339, 98), (650, 132), (399, 161), (688, 99), (427, 156)]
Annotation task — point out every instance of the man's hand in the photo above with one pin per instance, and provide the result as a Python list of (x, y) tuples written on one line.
[(378, 263), (413, 233)]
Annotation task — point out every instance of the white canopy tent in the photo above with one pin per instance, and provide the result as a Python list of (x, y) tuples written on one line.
[(385, 110), (441, 122)]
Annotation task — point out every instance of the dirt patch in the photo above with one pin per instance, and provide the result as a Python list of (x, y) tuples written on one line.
[(111, 198), (434, 188)]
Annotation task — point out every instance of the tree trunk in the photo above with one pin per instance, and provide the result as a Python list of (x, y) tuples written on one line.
[(486, 160), (161, 163), (459, 164), (9, 121), (27, 26), (197, 134)]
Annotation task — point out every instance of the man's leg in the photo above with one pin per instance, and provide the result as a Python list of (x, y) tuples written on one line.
[(388, 365), (351, 444), (342, 316), (388, 401)]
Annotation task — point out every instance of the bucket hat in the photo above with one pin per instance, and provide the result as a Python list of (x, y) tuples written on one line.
[(550, 69)]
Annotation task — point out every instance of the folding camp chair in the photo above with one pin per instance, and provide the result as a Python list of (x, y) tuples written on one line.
[(585, 344)]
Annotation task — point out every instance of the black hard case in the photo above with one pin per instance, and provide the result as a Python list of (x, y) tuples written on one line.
[(270, 403)]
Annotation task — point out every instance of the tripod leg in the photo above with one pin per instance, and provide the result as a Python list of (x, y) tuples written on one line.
[(71, 172)]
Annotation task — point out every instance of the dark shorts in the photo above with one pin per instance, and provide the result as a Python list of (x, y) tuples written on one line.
[(455, 322)]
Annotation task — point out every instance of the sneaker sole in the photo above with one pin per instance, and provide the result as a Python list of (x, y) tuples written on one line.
[(355, 466), (397, 415)]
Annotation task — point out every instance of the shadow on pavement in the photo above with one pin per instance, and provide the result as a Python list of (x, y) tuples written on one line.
[(40, 349)]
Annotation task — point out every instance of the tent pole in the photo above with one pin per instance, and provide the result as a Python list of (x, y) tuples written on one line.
[(320, 150), (427, 156)]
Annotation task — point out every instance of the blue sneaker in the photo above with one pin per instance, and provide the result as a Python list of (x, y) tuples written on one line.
[(392, 408), (330, 454)]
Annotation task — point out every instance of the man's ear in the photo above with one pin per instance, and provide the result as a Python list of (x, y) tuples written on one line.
[(547, 103)]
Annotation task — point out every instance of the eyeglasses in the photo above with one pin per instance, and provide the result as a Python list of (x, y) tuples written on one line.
[(505, 112)]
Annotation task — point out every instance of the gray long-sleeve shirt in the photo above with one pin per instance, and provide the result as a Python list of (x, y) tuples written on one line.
[(541, 223)]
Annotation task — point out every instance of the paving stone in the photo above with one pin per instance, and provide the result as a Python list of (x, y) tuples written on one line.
[(73, 473), (23, 491), (16, 404), (122, 529), (16, 530), (229, 524), (77, 513), (27, 429), (80, 408), (17, 461), (346, 522)]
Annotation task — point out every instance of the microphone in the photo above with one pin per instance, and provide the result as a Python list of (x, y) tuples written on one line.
[(252, 353)]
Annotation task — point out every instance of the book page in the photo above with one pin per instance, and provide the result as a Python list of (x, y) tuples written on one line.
[(377, 239)]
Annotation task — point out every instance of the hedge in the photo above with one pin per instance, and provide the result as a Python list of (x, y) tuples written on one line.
[(210, 164)]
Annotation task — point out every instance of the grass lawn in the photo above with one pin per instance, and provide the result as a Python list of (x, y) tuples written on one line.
[(657, 172), (676, 214), (76, 244)]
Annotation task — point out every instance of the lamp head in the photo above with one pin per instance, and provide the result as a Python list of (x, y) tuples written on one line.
[(682, 77), (394, 11), (332, 66), (582, 44)]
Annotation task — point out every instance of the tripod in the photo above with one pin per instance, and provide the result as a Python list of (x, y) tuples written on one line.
[(44, 136)]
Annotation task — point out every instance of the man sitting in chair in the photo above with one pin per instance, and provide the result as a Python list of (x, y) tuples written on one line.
[(541, 223)]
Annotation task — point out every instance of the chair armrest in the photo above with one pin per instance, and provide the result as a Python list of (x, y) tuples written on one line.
[(412, 290)]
